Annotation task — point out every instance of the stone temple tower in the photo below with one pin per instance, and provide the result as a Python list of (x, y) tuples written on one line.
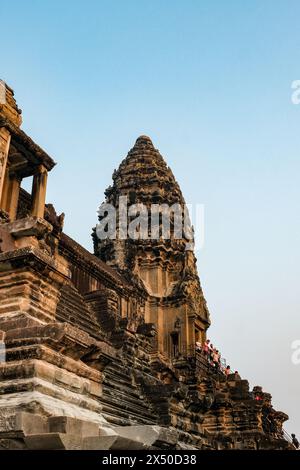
[(165, 268)]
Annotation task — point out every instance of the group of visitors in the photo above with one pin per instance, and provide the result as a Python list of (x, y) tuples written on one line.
[(213, 356)]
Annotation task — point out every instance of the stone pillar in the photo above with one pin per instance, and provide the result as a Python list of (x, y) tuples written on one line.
[(39, 187), (10, 195), (4, 148)]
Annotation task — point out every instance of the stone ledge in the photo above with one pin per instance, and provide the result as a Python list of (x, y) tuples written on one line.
[(33, 256), (27, 227)]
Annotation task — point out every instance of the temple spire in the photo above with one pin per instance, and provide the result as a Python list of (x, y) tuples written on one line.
[(161, 264)]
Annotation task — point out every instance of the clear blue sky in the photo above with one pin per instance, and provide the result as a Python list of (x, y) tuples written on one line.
[(210, 82)]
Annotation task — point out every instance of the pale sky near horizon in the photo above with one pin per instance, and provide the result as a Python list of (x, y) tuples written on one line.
[(210, 83)]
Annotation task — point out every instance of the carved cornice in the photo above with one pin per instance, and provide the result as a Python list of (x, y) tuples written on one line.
[(21, 141)]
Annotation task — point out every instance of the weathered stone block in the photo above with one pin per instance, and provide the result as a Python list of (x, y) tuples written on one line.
[(98, 443), (149, 435), (53, 441), (22, 423), (73, 426)]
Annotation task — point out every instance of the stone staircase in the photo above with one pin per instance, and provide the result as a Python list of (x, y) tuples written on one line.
[(122, 399), (72, 309)]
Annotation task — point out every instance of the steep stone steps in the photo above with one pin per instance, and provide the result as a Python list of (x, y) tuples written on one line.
[(72, 309), (123, 398)]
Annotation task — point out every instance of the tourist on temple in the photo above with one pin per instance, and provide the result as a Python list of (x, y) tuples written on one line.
[(215, 358), (198, 346), (295, 441), (227, 371), (206, 347)]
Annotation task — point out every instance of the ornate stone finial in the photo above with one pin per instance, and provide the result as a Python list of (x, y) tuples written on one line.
[(144, 140), (8, 105)]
